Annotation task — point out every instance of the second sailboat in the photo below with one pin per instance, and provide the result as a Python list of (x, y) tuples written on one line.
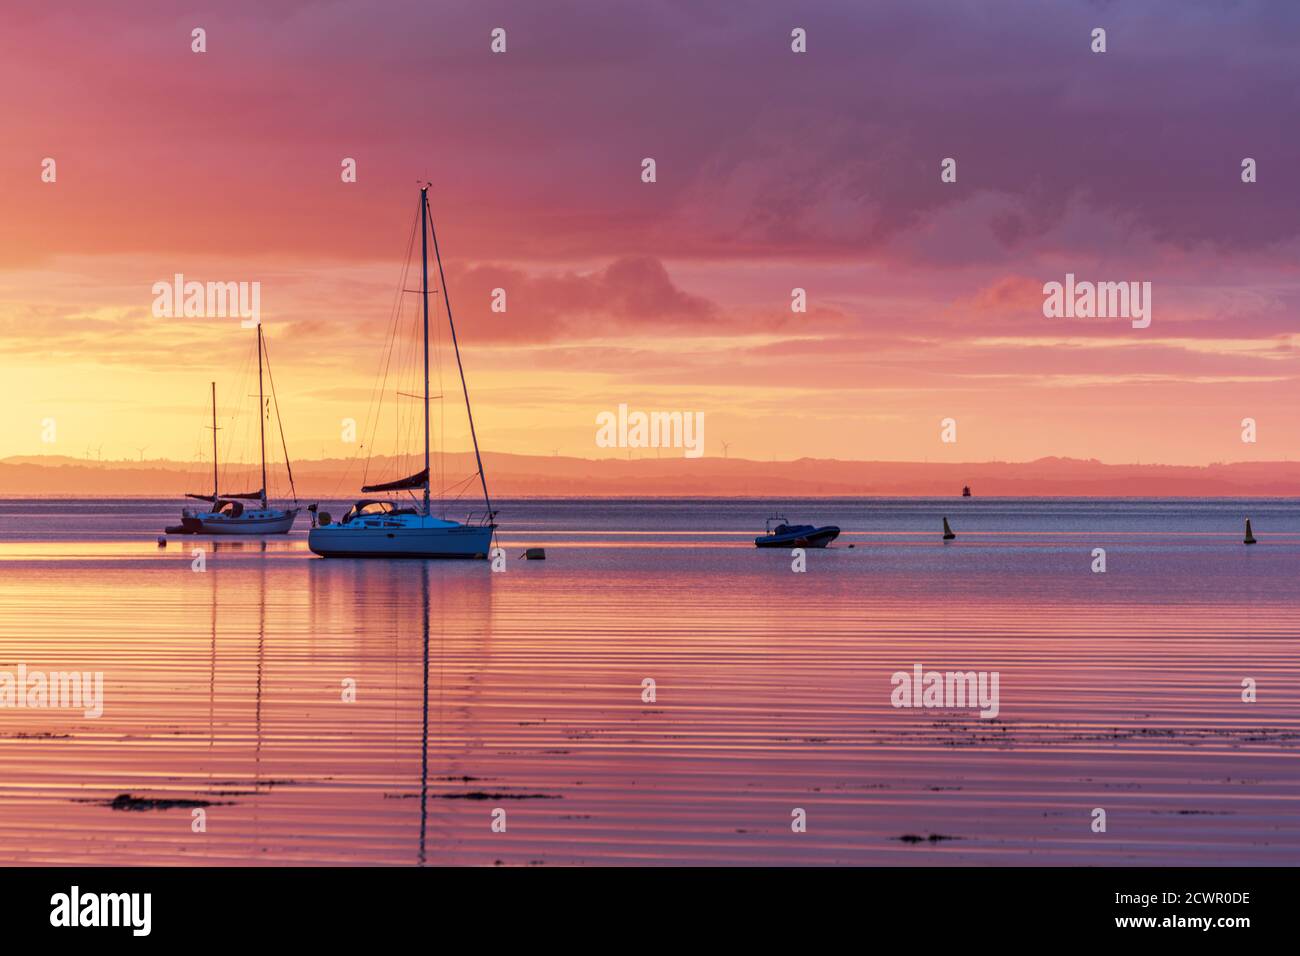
[(228, 514)]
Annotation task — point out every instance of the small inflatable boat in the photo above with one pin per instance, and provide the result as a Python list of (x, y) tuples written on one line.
[(786, 535)]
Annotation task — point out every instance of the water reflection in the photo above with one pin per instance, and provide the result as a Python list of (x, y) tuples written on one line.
[(378, 608), (424, 713), (523, 690)]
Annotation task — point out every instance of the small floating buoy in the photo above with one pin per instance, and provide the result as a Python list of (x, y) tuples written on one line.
[(162, 540), (534, 554), (947, 531), (1250, 537)]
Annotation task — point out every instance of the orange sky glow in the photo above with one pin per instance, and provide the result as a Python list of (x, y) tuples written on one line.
[(774, 171)]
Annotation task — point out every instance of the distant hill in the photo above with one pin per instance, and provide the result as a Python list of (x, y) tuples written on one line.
[(525, 475)]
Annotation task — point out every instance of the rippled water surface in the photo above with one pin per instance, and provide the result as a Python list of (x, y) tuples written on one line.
[(522, 692)]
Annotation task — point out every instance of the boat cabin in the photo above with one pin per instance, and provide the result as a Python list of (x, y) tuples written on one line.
[(373, 513)]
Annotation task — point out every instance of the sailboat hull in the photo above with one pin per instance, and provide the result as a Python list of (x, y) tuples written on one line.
[(348, 542), (272, 522)]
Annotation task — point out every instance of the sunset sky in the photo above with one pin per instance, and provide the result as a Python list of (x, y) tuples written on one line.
[(775, 170)]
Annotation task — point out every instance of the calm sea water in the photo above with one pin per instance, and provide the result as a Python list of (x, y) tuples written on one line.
[(480, 692)]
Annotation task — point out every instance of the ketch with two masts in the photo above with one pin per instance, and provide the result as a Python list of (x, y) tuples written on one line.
[(228, 514)]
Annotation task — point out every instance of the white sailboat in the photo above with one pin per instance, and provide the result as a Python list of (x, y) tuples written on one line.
[(228, 513), (374, 528)]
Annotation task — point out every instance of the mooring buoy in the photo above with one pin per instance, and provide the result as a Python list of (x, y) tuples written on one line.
[(162, 541), (947, 531), (1250, 537)]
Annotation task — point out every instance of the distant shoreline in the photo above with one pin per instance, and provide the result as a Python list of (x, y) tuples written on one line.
[(556, 477)]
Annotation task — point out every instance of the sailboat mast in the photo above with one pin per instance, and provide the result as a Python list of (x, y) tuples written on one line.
[(446, 298), (424, 296), (214, 445), (261, 412)]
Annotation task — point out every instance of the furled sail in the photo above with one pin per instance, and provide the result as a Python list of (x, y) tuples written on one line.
[(247, 496), (417, 480)]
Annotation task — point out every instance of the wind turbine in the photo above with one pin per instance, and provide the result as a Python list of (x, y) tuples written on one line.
[(725, 446), (142, 451)]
